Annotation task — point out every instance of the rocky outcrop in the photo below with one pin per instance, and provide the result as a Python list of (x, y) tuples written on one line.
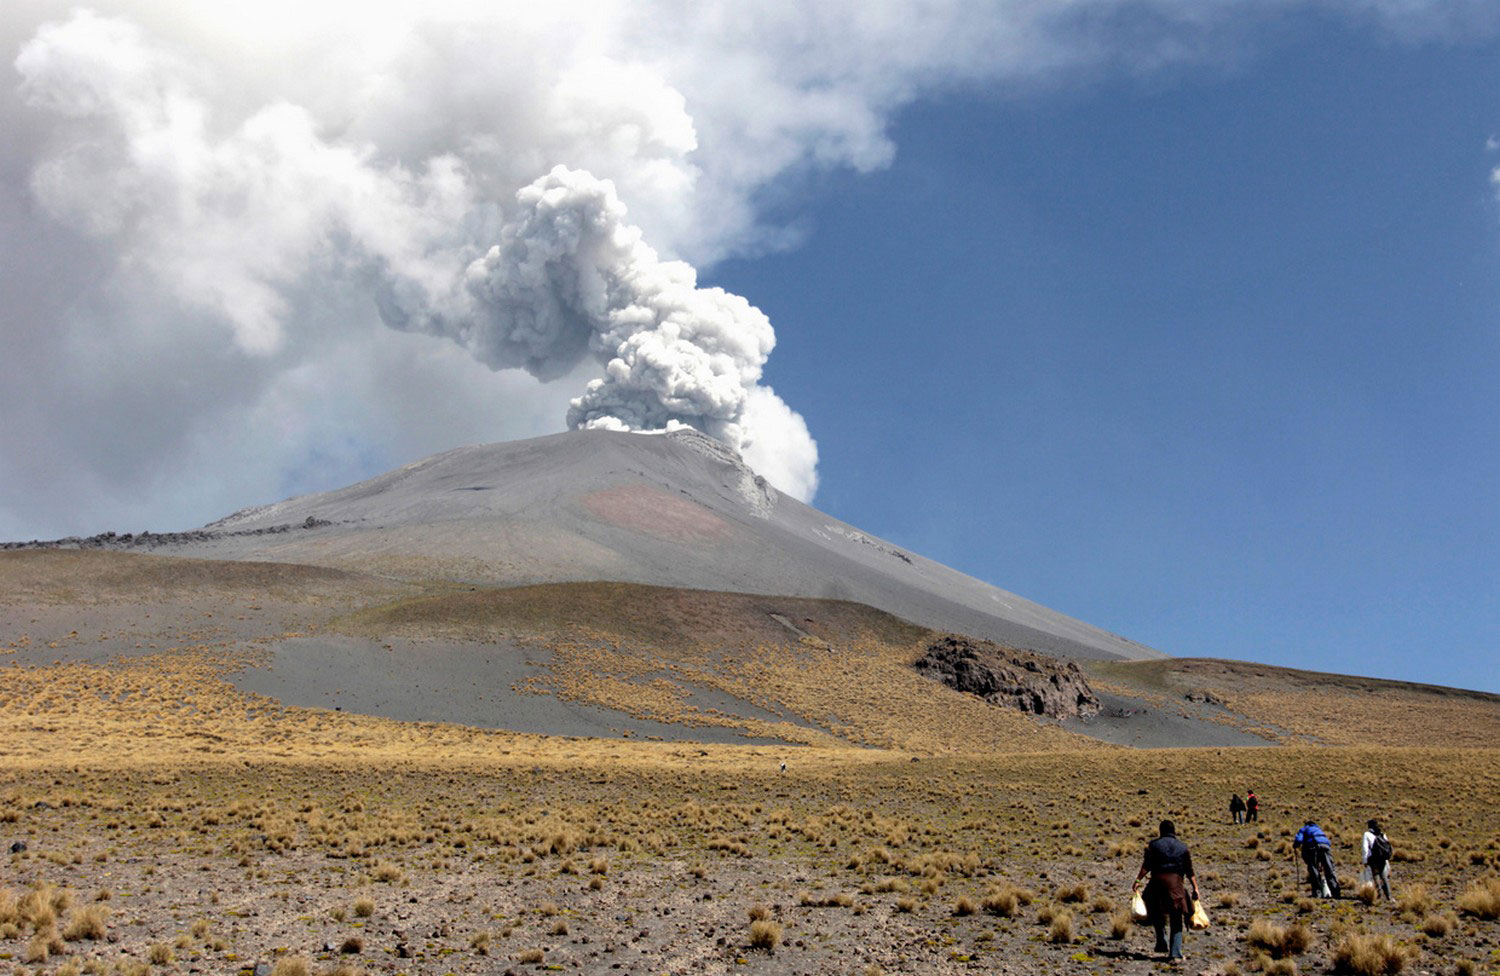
[(150, 540), (1010, 678)]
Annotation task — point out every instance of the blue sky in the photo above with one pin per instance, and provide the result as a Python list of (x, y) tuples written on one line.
[(1208, 358)]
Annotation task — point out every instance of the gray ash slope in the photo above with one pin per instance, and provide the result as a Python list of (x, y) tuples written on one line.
[(677, 509)]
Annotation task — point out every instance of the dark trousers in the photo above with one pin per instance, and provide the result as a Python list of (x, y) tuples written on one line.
[(1173, 924), (1320, 869)]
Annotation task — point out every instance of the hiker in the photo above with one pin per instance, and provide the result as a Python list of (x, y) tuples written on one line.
[(1237, 809), (1168, 862), (1318, 856), (1376, 855), (1252, 808)]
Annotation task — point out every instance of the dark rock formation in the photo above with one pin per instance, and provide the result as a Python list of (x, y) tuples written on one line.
[(1014, 679), (150, 540)]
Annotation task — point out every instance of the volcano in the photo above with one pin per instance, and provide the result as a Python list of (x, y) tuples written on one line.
[(675, 510)]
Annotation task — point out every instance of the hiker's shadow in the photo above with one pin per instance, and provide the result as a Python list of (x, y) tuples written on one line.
[(1123, 953)]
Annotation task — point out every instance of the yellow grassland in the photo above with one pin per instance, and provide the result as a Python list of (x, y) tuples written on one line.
[(199, 824)]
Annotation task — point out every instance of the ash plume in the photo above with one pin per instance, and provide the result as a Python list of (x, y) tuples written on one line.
[(570, 278)]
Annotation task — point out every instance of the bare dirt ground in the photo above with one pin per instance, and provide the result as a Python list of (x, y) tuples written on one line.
[(658, 862)]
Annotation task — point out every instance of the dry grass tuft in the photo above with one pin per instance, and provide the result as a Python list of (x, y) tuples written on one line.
[(292, 966), (1437, 926), (1005, 900), (1372, 955), (1482, 899), (38, 950), (1072, 893), (1415, 901), (387, 872), (88, 923), (765, 934), (1279, 941)]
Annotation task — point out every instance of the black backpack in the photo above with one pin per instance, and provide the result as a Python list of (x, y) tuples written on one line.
[(1380, 852)]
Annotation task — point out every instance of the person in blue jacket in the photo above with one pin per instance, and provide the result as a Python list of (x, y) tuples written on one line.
[(1318, 856)]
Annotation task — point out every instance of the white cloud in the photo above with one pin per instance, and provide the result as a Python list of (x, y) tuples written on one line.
[(199, 204)]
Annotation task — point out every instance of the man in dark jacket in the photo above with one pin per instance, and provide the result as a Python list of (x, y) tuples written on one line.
[(1168, 862), (1317, 854), (1237, 809)]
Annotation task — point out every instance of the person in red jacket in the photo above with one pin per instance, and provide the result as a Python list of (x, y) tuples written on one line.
[(1252, 807)]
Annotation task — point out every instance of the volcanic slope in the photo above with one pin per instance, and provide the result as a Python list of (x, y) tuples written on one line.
[(675, 510)]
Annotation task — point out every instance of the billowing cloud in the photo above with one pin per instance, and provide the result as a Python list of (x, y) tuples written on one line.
[(252, 250)]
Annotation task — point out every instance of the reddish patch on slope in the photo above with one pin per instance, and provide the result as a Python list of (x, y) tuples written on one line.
[(651, 511)]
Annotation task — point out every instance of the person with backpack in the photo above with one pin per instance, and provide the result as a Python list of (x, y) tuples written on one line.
[(1317, 854), (1168, 861), (1237, 809), (1252, 808), (1377, 858)]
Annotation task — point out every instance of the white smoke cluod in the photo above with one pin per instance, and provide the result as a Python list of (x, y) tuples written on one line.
[(571, 277), (227, 223), (231, 223)]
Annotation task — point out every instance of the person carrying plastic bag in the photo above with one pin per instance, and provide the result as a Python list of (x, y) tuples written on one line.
[(1317, 854), (1169, 864), (1375, 853)]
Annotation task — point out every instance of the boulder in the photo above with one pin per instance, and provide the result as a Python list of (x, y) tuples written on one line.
[(1010, 678)]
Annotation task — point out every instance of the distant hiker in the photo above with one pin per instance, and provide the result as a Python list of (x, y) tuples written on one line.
[(1237, 809), (1376, 855), (1168, 904), (1252, 808), (1318, 856), (783, 766)]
